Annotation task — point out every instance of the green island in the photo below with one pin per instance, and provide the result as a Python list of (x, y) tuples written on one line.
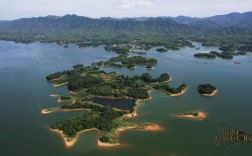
[(172, 91), (122, 61), (161, 50), (150, 67), (237, 62), (204, 55), (207, 90), (192, 115), (87, 82), (223, 55)]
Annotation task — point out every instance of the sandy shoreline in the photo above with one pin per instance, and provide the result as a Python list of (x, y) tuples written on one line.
[(71, 92), (45, 111), (201, 116), (59, 85), (163, 81), (154, 127), (71, 143), (58, 78), (54, 95), (152, 68), (61, 101), (179, 94), (134, 114), (146, 128), (213, 94), (103, 144)]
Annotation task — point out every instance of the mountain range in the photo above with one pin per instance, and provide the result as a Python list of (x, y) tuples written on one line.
[(233, 25)]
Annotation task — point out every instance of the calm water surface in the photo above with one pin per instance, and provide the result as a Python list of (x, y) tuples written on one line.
[(25, 92), (123, 104)]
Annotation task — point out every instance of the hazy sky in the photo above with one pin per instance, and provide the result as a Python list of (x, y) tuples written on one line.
[(13, 9)]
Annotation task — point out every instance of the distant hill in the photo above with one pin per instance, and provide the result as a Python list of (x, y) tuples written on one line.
[(75, 28), (76, 24), (233, 19)]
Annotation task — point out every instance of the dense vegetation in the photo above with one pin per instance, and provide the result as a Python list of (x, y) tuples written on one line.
[(146, 77), (92, 82), (121, 35), (102, 119), (55, 76), (204, 55), (124, 61), (149, 67), (213, 54), (65, 97), (194, 113), (83, 105), (171, 90), (161, 50), (105, 120), (206, 89)]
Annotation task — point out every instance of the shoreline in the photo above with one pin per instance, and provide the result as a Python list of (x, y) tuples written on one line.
[(163, 81), (63, 101), (213, 94), (54, 95), (134, 113), (202, 115), (71, 143), (154, 127), (45, 111), (179, 94), (152, 68), (57, 78), (59, 85), (103, 144)]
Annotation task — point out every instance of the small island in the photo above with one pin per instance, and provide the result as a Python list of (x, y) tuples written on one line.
[(172, 91), (122, 61), (223, 55), (149, 67), (161, 50), (131, 66), (205, 55), (199, 115), (207, 90), (237, 62)]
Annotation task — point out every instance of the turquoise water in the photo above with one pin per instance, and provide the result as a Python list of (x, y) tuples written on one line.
[(25, 92)]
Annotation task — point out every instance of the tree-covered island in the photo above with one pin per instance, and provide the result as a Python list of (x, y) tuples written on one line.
[(199, 115), (85, 82), (172, 91), (223, 55), (207, 89), (161, 50), (122, 61)]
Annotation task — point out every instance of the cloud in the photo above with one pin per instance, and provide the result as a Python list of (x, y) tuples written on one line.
[(130, 4)]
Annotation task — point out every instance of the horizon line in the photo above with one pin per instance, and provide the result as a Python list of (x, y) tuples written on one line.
[(128, 17)]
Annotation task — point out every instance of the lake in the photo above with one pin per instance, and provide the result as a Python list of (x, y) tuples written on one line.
[(123, 104), (25, 92)]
